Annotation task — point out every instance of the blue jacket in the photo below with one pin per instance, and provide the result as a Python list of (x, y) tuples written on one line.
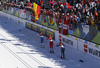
[(41, 38)]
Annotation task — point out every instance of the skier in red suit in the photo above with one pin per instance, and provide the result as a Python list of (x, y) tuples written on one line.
[(51, 44)]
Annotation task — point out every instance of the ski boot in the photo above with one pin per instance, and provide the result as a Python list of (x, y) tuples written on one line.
[(41, 46), (61, 57), (52, 51)]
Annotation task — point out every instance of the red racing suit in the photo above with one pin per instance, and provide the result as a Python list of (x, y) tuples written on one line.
[(51, 44)]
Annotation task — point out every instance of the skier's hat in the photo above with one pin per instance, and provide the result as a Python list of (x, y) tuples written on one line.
[(61, 44), (50, 37), (41, 34)]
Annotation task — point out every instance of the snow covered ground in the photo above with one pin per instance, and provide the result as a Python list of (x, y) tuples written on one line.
[(20, 49)]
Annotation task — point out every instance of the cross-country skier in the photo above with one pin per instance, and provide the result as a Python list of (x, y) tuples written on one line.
[(62, 50), (42, 40), (51, 44)]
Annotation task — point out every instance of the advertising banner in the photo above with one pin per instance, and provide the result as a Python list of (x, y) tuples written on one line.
[(16, 11), (22, 14), (12, 11), (16, 19), (35, 28), (1, 13), (57, 36), (69, 41), (9, 16), (9, 10), (89, 48), (94, 51), (28, 15), (13, 19), (82, 46), (22, 22), (41, 30), (50, 33), (28, 25), (86, 29), (4, 9)]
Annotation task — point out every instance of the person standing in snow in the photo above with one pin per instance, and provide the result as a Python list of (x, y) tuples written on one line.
[(41, 40), (62, 50), (51, 44)]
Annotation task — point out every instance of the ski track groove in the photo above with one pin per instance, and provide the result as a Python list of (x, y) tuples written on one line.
[(20, 59), (30, 56), (33, 58)]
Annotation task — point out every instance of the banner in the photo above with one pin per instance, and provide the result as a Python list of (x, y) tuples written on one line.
[(16, 19), (86, 29), (17, 12), (51, 21), (4, 9), (23, 14), (28, 15), (50, 33), (12, 10), (22, 22), (41, 30), (35, 28), (28, 25), (9, 10)]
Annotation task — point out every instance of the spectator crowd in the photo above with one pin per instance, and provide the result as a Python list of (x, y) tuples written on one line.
[(81, 11)]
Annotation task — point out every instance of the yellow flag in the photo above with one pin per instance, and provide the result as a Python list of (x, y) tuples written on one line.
[(36, 10)]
